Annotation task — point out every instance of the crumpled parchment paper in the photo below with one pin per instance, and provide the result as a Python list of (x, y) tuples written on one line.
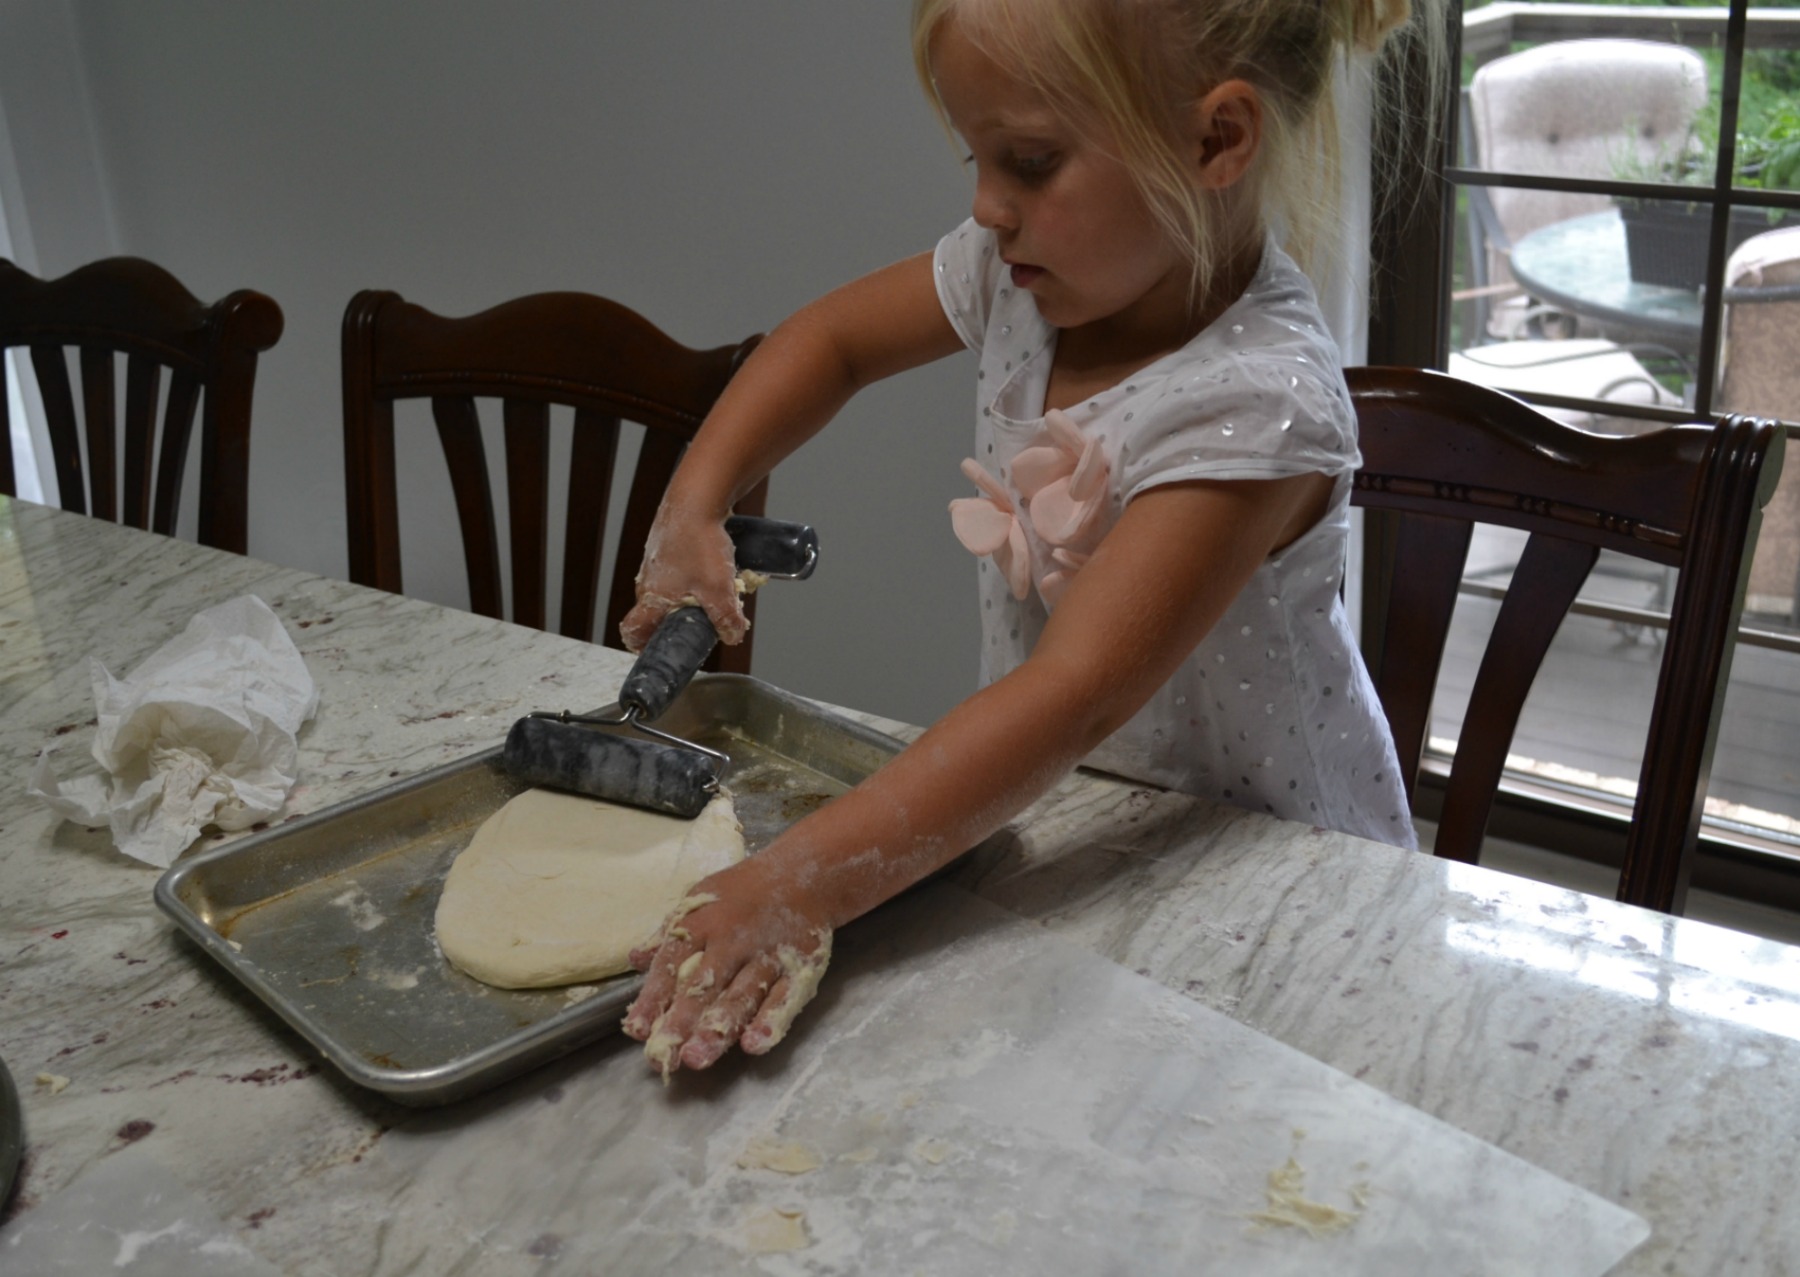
[(202, 733)]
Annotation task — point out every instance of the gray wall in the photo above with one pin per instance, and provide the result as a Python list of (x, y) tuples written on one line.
[(712, 163)]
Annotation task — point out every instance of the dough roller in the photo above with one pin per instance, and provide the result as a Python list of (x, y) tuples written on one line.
[(642, 765)]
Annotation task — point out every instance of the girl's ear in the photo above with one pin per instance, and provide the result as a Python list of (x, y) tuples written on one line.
[(1227, 131)]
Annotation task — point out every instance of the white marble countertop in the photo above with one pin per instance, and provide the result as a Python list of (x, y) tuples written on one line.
[(1646, 1059)]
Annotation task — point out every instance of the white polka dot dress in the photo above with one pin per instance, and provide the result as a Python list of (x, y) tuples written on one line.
[(1274, 710)]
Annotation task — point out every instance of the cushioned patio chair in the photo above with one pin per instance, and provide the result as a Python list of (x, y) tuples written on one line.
[(1760, 373)]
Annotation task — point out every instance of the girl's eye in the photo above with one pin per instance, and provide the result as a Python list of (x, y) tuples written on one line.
[(1035, 167)]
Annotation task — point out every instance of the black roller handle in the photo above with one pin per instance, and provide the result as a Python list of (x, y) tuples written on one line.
[(684, 639), (686, 636), (772, 547)]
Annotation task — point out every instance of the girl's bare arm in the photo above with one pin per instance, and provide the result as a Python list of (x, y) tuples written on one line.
[(1157, 584)]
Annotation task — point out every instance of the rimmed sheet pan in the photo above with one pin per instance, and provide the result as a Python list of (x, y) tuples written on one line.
[(328, 918)]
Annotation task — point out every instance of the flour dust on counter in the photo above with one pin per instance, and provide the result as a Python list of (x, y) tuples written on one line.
[(556, 889), (975, 1095)]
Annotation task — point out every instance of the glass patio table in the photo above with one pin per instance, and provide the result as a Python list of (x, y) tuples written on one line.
[(1580, 265)]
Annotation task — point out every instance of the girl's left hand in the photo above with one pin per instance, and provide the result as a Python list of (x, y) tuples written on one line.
[(736, 968)]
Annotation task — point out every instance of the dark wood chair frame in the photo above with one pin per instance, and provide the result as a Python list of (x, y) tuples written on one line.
[(1441, 455), (128, 306), (603, 360)]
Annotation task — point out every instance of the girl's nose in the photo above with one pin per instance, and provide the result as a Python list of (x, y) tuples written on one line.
[(992, 209)]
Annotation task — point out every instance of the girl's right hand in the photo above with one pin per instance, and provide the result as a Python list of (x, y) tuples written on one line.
[(734, 969), (688, 559)]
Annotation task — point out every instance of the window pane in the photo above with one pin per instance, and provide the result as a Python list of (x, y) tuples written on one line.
[(1756, 769), (1603, 305), (1586, 720), (1759, 335), (1759, 374), (1768, 132), (1597, 93)]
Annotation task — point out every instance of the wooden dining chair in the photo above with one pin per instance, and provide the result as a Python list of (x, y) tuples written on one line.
[(574, 350), (1442, 455), (131, 307)]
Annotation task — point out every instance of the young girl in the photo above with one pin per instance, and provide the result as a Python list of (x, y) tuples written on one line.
[(1163, 453)]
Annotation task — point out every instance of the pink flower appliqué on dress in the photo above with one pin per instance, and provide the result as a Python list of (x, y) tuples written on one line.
[(989, 525), (1063, 482)]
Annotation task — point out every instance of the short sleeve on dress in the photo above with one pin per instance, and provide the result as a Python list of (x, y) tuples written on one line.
[(1251, 417), (966, 267)]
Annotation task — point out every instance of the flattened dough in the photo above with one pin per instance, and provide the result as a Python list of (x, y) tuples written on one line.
[(555, 889)]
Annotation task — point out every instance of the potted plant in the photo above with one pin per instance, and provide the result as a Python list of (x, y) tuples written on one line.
[(1666, 238), (1770, 160)]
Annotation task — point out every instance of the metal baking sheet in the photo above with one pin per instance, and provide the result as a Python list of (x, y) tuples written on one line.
[(328, 919)]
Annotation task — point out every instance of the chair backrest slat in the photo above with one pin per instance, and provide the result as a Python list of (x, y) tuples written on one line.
[(526, 425), (1443, 455), (98, 411), (1544, 587), (592, 453), (143, 386), (125, 305), (459, 430), (59, 418), (570, 350), (171, 458)]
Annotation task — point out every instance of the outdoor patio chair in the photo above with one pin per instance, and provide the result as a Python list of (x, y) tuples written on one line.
[(574, 350), (1760, 373), (131, 307), (1442, 455)]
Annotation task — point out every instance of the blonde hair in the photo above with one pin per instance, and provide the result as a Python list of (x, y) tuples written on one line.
[(1127, 72)]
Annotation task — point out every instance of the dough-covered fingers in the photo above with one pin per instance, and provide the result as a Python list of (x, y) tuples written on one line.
[(725, 1017), (799, 981), (759, 1036), (698, 981), (659, 987)]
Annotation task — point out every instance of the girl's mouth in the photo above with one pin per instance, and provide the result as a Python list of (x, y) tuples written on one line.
[(1025, 276)]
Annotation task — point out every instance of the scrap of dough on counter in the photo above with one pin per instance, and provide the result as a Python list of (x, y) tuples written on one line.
[(765, 1153), (932, 1150), (54, 1083), (556, 889), (1289, 1207), (771, 1229)]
